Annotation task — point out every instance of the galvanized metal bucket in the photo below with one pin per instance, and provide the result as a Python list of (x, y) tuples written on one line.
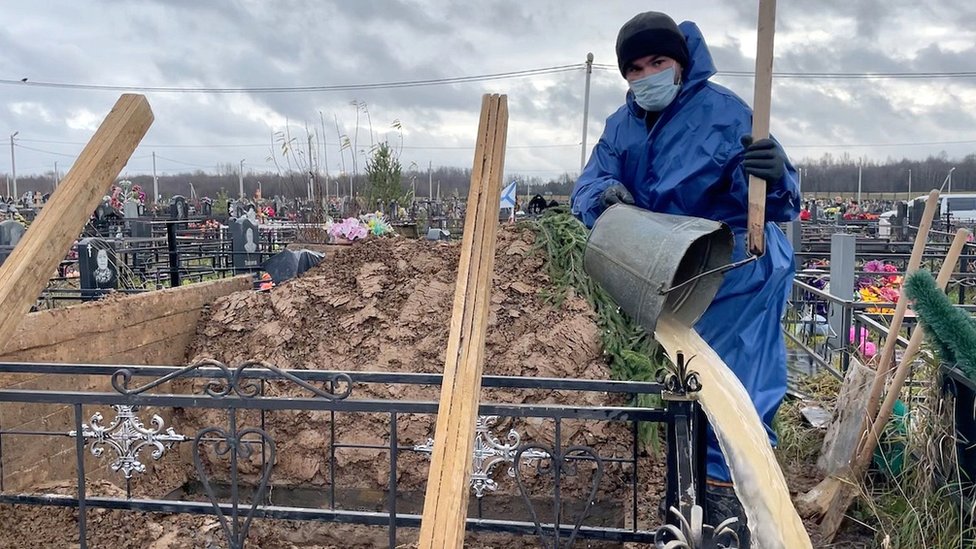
[(652, 262)]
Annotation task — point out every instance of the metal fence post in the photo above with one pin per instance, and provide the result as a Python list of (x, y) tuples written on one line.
[(794, 233), (842, 248), (174, 256)]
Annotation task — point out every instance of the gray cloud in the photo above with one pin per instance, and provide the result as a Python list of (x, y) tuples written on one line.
[(299, 43)]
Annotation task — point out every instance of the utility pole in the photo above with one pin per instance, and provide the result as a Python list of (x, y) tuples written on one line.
[(240, 179), (13, 164), (155, 181), (586, 108), (430, 181), (859, 185), (325, 155), (909, 185), (55, 175), (311, 168)]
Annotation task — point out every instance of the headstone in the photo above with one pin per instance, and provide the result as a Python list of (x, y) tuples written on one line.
[(97, 267), (141, 209), (245, 239), (10, 232), (130, 209), (206, 207), (141, 229), (177, 207), (237, 209), (438, 234), (102, 211)]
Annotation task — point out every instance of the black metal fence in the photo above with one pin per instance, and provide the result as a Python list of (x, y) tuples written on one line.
[(566, 490)]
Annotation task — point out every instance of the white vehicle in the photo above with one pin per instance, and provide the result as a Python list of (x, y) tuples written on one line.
[(884, 223), (962, 206)]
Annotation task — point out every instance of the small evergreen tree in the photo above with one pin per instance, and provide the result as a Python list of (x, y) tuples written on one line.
[(383, 181)]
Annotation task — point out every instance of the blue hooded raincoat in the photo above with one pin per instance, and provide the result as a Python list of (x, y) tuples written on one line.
[(690, 163)]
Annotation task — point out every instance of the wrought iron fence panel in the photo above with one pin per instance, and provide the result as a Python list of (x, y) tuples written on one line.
[(234, 458)]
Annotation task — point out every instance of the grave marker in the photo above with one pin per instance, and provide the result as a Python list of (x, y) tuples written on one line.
[(177, 207), (130, 210), (245, 239), (97, 268)]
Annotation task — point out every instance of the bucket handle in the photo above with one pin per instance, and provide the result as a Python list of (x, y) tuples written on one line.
[(720, 269)]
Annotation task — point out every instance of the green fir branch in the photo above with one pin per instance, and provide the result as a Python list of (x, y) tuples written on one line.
[(631, 353)]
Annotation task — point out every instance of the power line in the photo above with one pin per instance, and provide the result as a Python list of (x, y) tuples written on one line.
[(857, 145), (242, 145), (160, 157), (300, 89), (833, 75), (19, 146)]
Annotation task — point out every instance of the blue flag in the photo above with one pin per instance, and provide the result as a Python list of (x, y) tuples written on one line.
[(508, 197)]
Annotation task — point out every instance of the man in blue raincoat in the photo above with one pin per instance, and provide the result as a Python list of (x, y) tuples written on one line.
[(681, 145)]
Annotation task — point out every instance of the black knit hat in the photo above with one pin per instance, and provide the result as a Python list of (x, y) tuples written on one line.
[(650, 33)]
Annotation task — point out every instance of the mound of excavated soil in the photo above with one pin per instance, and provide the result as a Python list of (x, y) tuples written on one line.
[(379, 305), (385, 305)]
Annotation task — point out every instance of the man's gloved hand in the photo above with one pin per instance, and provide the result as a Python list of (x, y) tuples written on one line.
[(764, 159), (616, 194)]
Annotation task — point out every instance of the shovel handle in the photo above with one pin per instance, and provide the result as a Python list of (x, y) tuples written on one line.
[(760, 121)]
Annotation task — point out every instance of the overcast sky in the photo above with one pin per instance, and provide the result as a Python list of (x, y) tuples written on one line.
[(286, 44)]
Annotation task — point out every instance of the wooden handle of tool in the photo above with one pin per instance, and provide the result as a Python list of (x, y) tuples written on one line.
[(760, 121), (888, 353), (869, 443)]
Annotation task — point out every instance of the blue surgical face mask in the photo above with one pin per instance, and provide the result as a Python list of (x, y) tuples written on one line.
[(655, 92)]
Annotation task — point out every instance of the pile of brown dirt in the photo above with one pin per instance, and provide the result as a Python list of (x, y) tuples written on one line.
[(385, 305)]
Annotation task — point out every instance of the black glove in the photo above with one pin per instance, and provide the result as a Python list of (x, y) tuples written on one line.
[(616, 194), (764, 159)]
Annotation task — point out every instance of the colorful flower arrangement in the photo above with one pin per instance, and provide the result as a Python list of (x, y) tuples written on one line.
[(349, 229), (124, 192), (377, 224), (881, 285), (353, 228)]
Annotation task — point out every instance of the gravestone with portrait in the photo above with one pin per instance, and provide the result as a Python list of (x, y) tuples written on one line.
[(97, 268), (206, 207), (177, 207), (245, 244)]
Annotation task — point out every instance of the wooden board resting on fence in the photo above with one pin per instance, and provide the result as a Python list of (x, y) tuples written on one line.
[(446, 499), (25, 273), (119, 330)]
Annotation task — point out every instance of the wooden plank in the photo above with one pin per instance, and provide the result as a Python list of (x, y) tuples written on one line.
[(446, 498), (72, 327), (829, 500), (843, 436), (759, 482), (762, 100), (870, 441), (24, 274), (836, 501), (449, 532), (98, 347)]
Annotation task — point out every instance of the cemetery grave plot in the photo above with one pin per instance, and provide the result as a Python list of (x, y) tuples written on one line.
[(378, 305)]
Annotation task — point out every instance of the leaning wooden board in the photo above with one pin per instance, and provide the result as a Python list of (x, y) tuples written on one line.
[(759, 481), (446, 499), (24, 274)]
